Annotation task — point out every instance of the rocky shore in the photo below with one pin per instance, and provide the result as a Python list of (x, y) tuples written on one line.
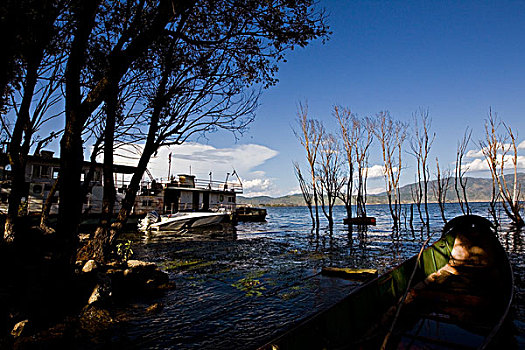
[(41, 307)]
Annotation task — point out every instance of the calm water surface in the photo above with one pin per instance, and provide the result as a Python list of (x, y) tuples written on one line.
[(237, 287)]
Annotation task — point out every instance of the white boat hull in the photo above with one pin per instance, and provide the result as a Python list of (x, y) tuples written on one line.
[(181, 221)]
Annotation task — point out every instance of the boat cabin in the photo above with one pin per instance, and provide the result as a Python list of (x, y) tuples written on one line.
[(182, 193)]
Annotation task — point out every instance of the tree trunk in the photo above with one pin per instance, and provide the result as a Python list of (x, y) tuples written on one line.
[(47, 208), (150, 147), (17, 152), (411, 220), (316, 202), (425, 179), (71, 152), (131, 192), (77, 112), (101, 249)]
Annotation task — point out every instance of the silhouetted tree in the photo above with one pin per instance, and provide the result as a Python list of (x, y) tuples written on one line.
[(204, 63), (35, 61)]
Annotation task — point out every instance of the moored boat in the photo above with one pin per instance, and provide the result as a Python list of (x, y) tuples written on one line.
[(249, 213), (182, 220), (455, 294)]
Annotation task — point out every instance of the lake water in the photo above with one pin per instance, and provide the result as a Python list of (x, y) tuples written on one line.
[(237, 287)]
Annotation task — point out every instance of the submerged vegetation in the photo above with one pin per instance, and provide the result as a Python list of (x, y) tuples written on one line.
[(250, 285)]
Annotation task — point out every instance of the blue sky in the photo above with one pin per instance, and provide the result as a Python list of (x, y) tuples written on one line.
[(455, 58)]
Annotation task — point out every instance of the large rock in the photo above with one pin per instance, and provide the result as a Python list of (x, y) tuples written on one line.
[(102, 291), (94, 319), (90, 266), (138, 264), (20, 328), (140, 275)]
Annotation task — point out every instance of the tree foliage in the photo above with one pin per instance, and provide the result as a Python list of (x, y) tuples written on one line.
[(153, 72)]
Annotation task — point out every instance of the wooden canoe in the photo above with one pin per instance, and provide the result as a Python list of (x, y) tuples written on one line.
[(459, 297)]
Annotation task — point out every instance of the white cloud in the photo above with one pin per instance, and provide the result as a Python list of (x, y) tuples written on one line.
[(257, 185), (474, 154), (376, 171), (480, 164), (204, 159), (478, 153), (261, 187), (477, 165)]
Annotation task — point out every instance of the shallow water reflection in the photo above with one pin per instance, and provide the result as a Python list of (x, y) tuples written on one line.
[(236, 287)]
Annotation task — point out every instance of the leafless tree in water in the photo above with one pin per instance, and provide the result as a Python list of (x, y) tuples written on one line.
[(420, 145), (306, 189), (490, 148), (365, 133), (310, 134), (357, 136), (460, 181), (499, 150), (330, 177), (417, 197), (348, 136), (440, 188), (391, 134)]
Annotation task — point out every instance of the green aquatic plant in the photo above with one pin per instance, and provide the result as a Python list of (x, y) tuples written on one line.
[(124, 251), (201, 265), (251, 284), (294, 292), (251, 287), (179, 264), (187, 264)]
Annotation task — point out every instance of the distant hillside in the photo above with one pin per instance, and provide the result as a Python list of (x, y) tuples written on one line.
[(285, 201), (478, 190)]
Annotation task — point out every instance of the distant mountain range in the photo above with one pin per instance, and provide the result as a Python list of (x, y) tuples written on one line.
[(478, 190)]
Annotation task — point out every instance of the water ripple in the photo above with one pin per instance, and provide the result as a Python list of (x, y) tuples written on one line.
[(237, 287)]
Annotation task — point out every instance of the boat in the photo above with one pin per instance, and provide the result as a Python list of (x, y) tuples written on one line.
[(454, 294), (180, 193), (360, 220), (249, 213), (182, 220)]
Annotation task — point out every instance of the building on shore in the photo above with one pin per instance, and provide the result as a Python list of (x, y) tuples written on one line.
[(181, 193)]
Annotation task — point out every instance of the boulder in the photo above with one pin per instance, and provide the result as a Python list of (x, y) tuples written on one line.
[(139, 276), (102, 291), (90, 266), (94, 319), (20, 328), (138, 264)]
